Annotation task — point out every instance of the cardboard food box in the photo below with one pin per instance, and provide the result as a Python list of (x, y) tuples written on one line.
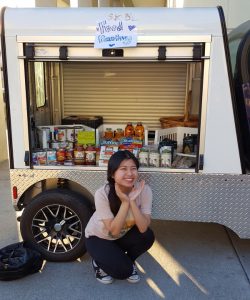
[(105, 153)]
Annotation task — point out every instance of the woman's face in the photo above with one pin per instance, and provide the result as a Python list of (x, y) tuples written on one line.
[(126, 175)]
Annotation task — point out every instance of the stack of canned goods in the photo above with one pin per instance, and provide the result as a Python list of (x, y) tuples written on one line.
[(63, 137), (65, 156), (58, 147)]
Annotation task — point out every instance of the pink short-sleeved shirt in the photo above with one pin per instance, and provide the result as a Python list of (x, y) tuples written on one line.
[(96, 227)]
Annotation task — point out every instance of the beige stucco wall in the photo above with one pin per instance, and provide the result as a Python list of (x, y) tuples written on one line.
[(236, 12)]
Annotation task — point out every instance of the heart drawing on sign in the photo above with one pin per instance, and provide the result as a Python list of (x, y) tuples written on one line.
[(111, 45), (131, 27)]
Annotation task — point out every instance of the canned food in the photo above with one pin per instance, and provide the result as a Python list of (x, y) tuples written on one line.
[(34, 158), (70, 134), (61, 135), (55, 137), (51, 156), (77, 130), (41, 158), (63, 144), (54, 145), (70, 145), (60, 156), (44, 137)]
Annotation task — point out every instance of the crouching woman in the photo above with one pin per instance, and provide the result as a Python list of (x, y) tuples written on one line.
[(118, 232)]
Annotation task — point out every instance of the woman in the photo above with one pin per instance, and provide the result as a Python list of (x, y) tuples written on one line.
[(118, 232)]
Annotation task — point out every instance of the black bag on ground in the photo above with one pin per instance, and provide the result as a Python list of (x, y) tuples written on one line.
[(17, 261)]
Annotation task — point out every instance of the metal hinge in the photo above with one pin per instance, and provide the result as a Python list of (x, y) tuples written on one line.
[(201, 161), (27, 158), (162, 53)]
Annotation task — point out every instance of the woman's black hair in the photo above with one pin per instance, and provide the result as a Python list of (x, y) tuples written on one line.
[(113, 164)]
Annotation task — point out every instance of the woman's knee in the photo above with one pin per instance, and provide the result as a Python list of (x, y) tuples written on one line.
[(122, 270), (148, 237)]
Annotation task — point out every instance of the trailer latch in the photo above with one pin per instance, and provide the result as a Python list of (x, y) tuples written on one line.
[(27, 158), (29, 51), (162, 53), (112, 52), (63, 53), (197, 51)]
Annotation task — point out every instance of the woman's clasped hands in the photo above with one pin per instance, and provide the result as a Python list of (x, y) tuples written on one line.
[(132, 195)]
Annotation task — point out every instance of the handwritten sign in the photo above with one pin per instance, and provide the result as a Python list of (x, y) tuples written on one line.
[(116, 31), (86, 137)]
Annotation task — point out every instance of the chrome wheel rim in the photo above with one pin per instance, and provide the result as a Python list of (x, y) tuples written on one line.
[(57, 228)]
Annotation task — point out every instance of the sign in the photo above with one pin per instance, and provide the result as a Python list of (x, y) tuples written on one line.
[(116, 31), (86, 137)]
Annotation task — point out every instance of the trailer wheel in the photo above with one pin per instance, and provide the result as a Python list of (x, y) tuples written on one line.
[(54, 224)]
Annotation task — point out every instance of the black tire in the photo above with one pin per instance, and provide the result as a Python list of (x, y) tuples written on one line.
[(54, 223)]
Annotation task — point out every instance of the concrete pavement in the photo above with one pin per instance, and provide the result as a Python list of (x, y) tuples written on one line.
[(188, 261)]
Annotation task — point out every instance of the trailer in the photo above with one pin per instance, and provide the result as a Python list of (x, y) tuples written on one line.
[(113, 66)]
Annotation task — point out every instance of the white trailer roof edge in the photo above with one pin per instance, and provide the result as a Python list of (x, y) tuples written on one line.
[(82, 21)]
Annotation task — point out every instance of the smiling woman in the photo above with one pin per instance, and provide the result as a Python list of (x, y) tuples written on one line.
[(118, 232)]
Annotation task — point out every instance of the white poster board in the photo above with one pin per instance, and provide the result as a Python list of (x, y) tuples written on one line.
[(116, 31)]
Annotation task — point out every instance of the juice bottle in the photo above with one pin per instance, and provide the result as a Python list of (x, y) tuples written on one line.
[(119, 133), (129, 130), (139, 131), (108, 134)]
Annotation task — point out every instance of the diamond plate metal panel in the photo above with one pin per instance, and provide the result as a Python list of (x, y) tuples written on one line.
[(223, 199)]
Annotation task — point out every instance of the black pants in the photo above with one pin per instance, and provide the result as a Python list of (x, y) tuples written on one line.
[(117, 257)]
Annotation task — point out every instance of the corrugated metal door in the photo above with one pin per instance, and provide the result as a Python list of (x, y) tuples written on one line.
[(124, 91)]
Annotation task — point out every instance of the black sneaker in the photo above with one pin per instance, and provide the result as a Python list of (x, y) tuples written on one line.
[(134, 277), (100, 275)]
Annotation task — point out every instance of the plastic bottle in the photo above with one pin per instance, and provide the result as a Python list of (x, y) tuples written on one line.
[(139, 131), (129, 130)]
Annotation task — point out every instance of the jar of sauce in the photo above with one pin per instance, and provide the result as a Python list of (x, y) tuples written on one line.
[(69, 153), (90, 155), (129, 130), (79, 155), (60, 156)]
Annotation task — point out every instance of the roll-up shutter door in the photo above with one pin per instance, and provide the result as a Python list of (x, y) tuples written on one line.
[(122, 92)]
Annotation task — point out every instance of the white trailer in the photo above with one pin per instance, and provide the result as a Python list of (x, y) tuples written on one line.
[(178, 51)]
